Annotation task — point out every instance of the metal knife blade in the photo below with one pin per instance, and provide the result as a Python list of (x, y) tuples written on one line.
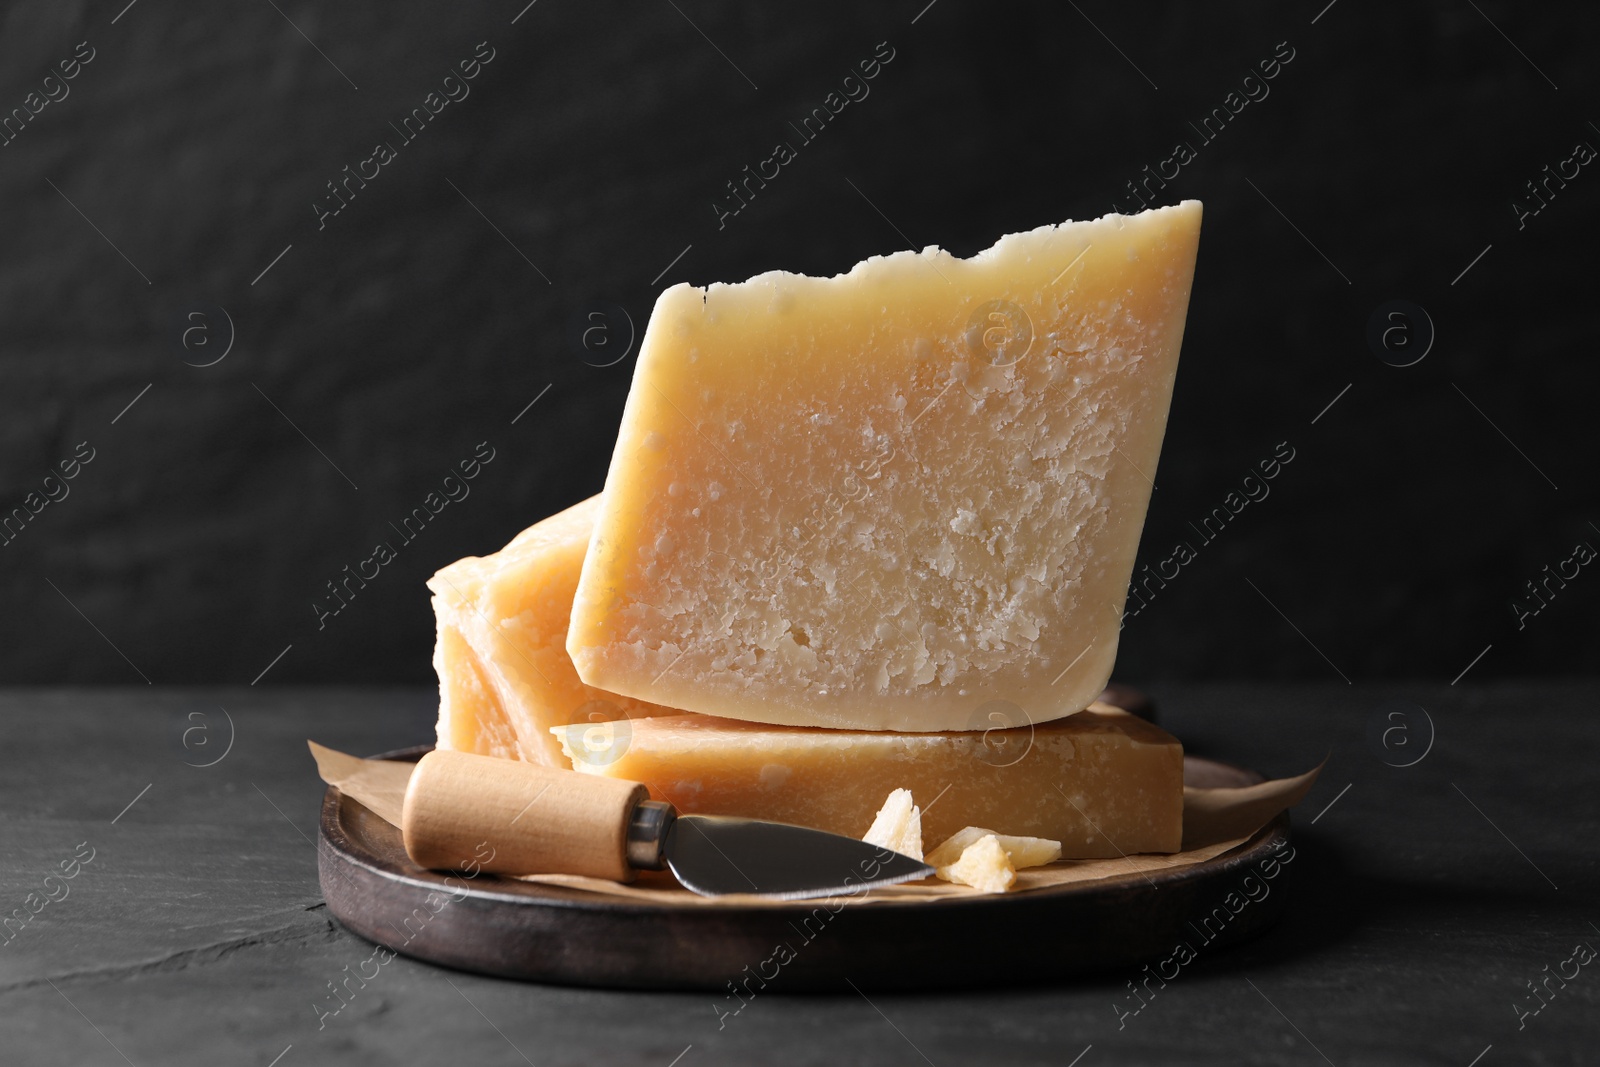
[(717, 854)]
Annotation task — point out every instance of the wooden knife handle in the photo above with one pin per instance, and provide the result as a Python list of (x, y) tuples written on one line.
[(508, 817)]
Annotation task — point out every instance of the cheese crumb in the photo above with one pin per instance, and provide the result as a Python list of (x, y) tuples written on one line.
[(1020, 851), (983, 865), (898, 826)]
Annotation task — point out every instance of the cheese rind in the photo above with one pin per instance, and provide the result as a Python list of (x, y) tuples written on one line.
[(890, 499), (1102, 782), (504, 674)]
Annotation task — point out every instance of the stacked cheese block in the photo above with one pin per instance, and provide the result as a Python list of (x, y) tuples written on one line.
[(861, 532)]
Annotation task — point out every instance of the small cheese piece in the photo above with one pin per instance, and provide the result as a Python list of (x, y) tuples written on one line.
[(504, 674), (1021, 851), (887, 499), (1101, 782), (898, 826), (983, 865)]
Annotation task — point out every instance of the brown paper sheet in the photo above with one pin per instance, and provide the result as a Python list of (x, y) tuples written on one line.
[(665, 891), (1218, 814), (379, 784), (1215, 821)]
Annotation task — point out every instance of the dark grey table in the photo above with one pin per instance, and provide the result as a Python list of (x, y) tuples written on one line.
[(1426, 898)]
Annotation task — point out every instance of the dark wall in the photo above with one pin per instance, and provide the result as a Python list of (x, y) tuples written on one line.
[(181, 169)]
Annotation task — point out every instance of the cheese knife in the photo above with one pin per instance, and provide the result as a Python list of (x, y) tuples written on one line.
[(510, 817)]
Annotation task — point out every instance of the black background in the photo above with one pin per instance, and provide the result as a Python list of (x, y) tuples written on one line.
[(420, 320)]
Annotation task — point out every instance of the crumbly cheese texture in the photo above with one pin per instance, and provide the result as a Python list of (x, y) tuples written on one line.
[(1020, 851), (471, 716), (1102, 782), (888, 499), (898, 825), (504, 674), (984, 865)]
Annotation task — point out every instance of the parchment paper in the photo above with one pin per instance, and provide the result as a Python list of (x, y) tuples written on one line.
[(379, 784), (1215, 821)]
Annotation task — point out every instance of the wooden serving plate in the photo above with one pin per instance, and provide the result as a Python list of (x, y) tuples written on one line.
[(552, 933)]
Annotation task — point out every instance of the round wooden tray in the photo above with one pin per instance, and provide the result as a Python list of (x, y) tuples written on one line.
[(553, 933)]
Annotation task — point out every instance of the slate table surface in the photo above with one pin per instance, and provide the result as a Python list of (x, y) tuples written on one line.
[(1425, 900)]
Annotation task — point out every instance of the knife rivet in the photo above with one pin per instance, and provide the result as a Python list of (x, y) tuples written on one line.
[(647, 834)]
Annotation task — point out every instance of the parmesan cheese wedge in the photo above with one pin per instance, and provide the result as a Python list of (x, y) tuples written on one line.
[(471, 717), (883, 500), (504, 674)]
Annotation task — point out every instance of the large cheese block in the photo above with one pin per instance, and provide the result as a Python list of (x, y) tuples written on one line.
[(504, 674), (1102, 782), (888, 499)]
